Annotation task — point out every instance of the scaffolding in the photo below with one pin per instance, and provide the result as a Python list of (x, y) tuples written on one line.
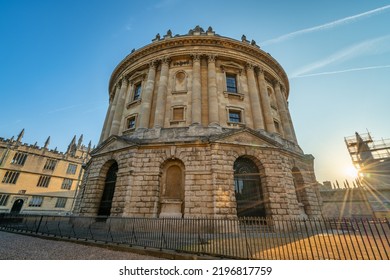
[(362, 147)]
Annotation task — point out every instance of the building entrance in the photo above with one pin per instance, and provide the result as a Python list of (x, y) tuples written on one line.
[(108, 192), (17, 206), (247, 188)]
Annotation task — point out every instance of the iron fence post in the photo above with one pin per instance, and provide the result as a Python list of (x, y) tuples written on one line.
[(39, 225)]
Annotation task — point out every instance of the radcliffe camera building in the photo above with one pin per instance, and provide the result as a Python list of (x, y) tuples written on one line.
[(198, 125)]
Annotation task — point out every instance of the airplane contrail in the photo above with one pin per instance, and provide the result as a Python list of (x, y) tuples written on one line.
[(371, 46), (342, 71), (326, 25)]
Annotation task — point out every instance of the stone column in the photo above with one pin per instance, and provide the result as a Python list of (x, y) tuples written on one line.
[(128, 96), (130, 89), (281, 102), (294, 136), (119, 108), (111, 98), (162, 94), (265, 102), (196, 91), (212, 92), (258, 122), (112, 111), (147, 95)]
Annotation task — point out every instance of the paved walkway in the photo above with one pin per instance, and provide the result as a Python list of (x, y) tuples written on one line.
[(22, 247)]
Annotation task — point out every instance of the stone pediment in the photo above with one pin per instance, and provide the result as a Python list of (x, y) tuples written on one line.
[(113, 143), (246, 137)]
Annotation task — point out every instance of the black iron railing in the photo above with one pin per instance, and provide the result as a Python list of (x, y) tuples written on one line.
[(243, 238)]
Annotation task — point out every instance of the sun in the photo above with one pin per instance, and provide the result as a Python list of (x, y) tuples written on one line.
[(351, 172)]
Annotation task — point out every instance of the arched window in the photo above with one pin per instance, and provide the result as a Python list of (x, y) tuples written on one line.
[(108, 192), (247, 188), (299, 185)]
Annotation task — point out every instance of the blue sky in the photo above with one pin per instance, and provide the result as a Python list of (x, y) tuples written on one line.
[(56, 58)]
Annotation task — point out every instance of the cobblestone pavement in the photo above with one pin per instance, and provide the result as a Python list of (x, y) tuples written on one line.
[(22, 247)]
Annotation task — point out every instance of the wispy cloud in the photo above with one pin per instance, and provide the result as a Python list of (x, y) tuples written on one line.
[(328, 25), (343, 71), (164, 3), (371, 46), (94, 109), (63, 109), (10, 123)]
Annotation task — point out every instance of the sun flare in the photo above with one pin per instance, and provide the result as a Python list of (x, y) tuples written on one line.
[(351, 172)]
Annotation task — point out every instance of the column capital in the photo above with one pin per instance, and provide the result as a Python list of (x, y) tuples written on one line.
[(260, 70), (165, 60), (196, 56), (124, 80), (153, 64), (277, 83), (117, 84), (211, 58), (111, 96), (249, 66)]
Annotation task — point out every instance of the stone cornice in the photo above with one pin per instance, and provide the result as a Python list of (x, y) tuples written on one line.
[(205, 45)]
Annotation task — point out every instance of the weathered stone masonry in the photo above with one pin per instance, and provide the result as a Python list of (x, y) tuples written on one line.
[(198, 126), (209, 179)]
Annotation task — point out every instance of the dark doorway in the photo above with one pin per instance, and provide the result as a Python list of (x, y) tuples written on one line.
[(247, 188), (17, 206), (108, 192)]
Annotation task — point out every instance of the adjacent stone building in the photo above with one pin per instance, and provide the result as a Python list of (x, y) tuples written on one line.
[(39, 180), (198, 125)]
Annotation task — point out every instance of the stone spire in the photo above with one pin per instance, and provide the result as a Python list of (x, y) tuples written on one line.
[(89, 147), (72, 147), (80, 141), (47, 142), (20, 136)]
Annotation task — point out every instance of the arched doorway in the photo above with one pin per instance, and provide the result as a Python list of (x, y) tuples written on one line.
[(108, 192), (17, 206), (172, 190), (247, 188), (299, 185)]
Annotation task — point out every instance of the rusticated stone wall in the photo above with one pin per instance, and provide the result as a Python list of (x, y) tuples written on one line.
[(209, 180)]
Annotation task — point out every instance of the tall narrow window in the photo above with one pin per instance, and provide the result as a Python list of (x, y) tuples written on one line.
[(67, 184), (50, 164), (71, 169), (10, 177), (137, 91), (19, 159), (231, 83), (43, 181), (3, 199)]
